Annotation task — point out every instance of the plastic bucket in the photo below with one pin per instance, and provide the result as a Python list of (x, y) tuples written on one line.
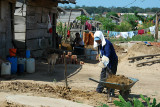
[(88, 53), (22, 61), (30, 65), (20, 68), (6, 68), (94, 54), (13, 61), (27, 53), (12, 52)]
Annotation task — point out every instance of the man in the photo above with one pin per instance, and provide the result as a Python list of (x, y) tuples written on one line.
[(78, 41), (78, 45), (106, 49)]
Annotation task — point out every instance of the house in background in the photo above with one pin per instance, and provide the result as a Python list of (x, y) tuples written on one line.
[(69, 19), (31, 25), (6, 26)]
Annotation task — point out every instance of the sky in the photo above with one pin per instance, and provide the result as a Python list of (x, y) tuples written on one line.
[(116, 3)]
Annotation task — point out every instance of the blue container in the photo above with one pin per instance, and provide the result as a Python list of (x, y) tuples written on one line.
[(13, 61), (27, 53), (20, 68)]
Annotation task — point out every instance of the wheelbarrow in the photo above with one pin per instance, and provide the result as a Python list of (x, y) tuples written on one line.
[(124, 90)]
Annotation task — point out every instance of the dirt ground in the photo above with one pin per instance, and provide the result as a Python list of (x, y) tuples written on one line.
[(81, 89)]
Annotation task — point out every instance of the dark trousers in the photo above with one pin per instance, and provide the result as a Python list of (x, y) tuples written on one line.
[(104, 75)]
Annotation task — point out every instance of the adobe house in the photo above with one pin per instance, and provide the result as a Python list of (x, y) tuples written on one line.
[(6, 26), (31, 25)]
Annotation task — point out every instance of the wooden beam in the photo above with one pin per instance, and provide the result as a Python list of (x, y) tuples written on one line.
[(144, 63), (132, 58), (157, 26)]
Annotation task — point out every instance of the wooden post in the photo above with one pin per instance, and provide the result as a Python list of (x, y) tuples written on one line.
[(65, 72), (157, 26)]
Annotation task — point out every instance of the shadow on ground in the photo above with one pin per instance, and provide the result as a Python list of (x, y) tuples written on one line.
[(42, 74)]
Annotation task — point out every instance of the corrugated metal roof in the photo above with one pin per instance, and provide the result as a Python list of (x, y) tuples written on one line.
[(67, 1), (59, 1)]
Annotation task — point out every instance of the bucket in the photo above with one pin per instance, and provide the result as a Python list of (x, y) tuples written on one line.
[(13, 61), (30, 65), (88, 52), (6, 68), (22, 61), (12, 52), (27, 53), (20, 68), (94, 54)]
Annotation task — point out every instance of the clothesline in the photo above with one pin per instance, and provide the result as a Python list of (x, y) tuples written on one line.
[(130, 34)]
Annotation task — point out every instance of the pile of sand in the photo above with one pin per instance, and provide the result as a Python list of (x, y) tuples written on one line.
[(141, 49), (118, 49), (119, 79), (50, 90)]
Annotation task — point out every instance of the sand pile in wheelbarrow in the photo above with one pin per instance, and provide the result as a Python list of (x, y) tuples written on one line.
[(119, 79)]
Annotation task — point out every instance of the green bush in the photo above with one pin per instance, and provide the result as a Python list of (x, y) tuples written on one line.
[(124, 26), (136, 102)]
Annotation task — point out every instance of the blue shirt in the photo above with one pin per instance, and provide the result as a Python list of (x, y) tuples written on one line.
[(108, 50)]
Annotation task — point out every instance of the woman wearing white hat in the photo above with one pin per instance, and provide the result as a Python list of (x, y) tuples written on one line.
[(109, 55)]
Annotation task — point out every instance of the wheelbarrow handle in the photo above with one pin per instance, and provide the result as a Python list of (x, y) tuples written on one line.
[(97, 81)]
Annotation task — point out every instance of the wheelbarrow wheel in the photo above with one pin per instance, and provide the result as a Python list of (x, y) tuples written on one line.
[(125, 94)]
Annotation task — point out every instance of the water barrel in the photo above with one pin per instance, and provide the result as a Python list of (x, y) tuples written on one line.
[(20, 68), (13, 61), (27, 53), (95, 54), (12, 52), (88, 52), (30, 65), (6, 68), (22, 61)]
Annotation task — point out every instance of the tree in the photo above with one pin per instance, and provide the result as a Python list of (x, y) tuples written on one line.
[(82, 19), (131, 19), (107, 23), (111, 14)]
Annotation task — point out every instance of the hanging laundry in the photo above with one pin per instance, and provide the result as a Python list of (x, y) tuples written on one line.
[(115, 33), (111, 33), (135, 33), (118, 36), (152, 30), (140, 32), (49, 24), (88, 25), (86, 38), (91, 39), (68, 33), (146, 30), (124, 34), (130, 34)]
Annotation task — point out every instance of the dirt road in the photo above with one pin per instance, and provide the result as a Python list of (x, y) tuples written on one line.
[(82, 89)]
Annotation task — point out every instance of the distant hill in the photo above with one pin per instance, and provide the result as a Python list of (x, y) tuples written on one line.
[(101, 10)]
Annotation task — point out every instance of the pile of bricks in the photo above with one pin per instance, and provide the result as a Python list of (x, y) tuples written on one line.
[(155, 43), (70, 59)]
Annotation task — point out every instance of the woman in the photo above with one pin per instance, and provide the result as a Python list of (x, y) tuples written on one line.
[(106, 49)]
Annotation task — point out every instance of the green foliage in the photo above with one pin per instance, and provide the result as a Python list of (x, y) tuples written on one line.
[(82, 19), (107, 23), (146, 25), (103, 105), (131, 19), (122, 102), (124, 26), (111, 14), (136, 102), (61, 30)]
